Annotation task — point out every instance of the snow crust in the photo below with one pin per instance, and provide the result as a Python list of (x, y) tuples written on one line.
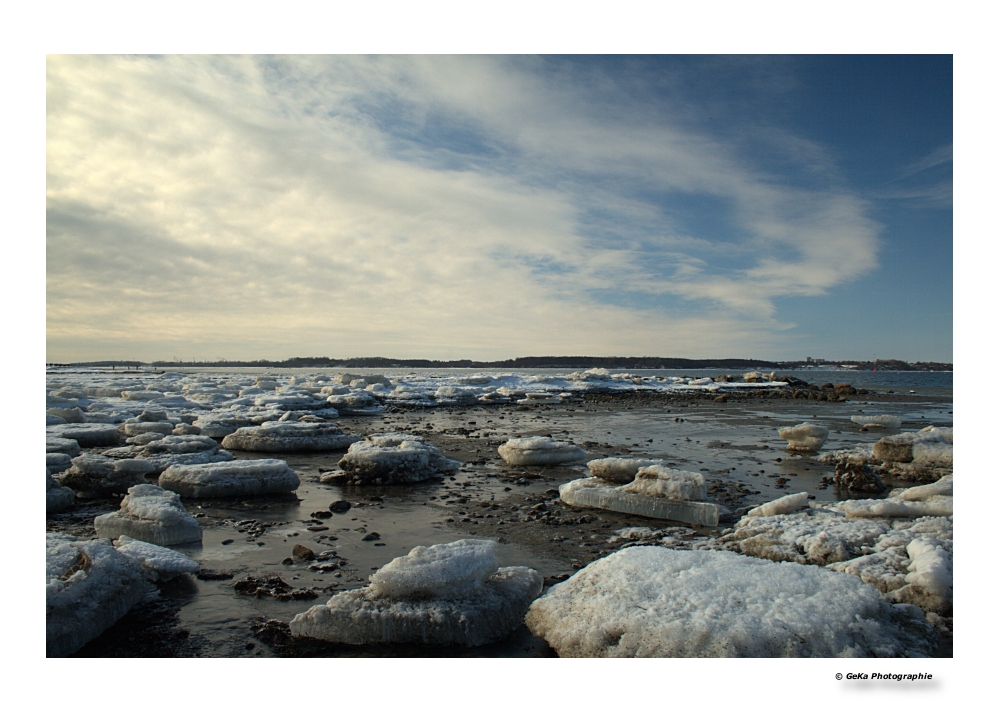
[(539, 451), (88, 587), (804, 437), (159, 563), (236, 478), (656, 602), (290, 437), (151, 514), (447, 594)]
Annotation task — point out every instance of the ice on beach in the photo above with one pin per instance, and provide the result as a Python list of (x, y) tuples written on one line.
[(938, 506), (236, 478), (57, 462), (96, 473), (290, 437), (68, 415), (160, 426), (391, 458), (925, 456), (656, 602), (619, 469), (151, 514), (877, 421), (159, 563), (141, 395), (89, 585), (86, 434), (660, 481), (447, 594), (58, 444), (289, 401), (171, 450), (539, 451), (57, 497), (805, 437), (923, 493), (355, 403), (858, 455), (600, 494), (783, 505)]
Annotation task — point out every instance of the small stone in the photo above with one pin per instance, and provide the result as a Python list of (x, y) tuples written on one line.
[(340, 506), (371, 536), (227, 541), (303, 552)]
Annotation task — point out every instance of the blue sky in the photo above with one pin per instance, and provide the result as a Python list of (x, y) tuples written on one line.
[(493, 207)]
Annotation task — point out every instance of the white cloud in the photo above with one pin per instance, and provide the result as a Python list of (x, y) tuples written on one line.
[(246, 208)]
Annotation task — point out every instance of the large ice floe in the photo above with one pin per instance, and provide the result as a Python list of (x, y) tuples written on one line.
[(149, 513), (805, 437), (172, 450), (869, 538), (237, 478), (656, 602), (657, 491), (158, 562), (390, 458), (277, 436), (89, 585), (446, 594), (539, 451)]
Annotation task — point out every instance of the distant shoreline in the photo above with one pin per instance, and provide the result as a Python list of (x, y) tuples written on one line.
[(564, 362)]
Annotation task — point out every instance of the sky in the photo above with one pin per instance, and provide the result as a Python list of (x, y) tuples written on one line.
[(489, 207)]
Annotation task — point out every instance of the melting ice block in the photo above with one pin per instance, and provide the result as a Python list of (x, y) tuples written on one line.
[(804, 437), (289, 437), (447, 594), (54, 443), (783, 505), (96, 473), (151, 514), (87, 434), (619, 469), (160, 563), (597, 493), (656, 602), (386, 459), (539, 451), (57, 497), (660, 481), (88, 587), (236, 478), (877, 421)]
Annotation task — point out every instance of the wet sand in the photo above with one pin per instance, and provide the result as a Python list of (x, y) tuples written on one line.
[(734, 444)]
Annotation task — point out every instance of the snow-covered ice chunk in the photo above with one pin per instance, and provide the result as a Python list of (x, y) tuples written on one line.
[(656, 602), (54, 420), (922, 493), (619, 469), (289, 437), (57, 497), (447, 594), (357, 402), (55, 443), (660, 481), (141, 395), (804, 437), (783, 505), (289, 401), (69, 415), (539, 451), (87, 434), (937, 506), (599, 494), (162, 427), (450, 570), (929, 581), (394, 457), (151, 514), (57, 462), (877, 421), (236, 478), (88, 587), (160, 563), (96, 473)]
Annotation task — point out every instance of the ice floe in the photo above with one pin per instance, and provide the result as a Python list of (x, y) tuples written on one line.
[(236, 478), (391, 458), (151, 514), (159, 562), (290, 437), (783, 505), (100, 474), (924, 456), (805, 437), (86, 434), (877, 421), (656, 602), (172, 450), (539, 451), (601, 494), (447, 594), (89, 585), (57, 497), (661, 481)]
